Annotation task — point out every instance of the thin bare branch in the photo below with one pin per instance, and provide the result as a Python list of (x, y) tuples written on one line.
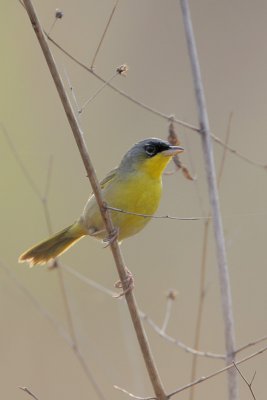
[(205, 378), (44, 199), (99, 90), (58, 15), (48, 178), (104, 34), (153, 110), (26, 390), (201, 300), (171, 296), (198, 381), (155, 216), (121, 92), (204, 265), (16, 155), (88, 281), (250, 344), (249, 384), (226, 298), (177, 342), (114, 246), (133, 395)]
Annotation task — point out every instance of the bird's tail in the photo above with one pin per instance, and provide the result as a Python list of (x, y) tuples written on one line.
[(54, 246)]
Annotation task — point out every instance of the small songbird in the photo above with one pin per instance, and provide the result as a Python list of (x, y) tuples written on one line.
[(135, 186)]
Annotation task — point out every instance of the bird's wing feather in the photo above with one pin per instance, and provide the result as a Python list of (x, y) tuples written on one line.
[(109, 178)]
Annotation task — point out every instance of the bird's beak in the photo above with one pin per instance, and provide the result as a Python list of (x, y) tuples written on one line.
[(172, 151)]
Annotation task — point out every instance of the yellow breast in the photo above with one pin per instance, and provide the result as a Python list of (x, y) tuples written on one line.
[(137, 194), (138, 191)]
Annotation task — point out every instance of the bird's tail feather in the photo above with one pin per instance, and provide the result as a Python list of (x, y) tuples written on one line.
[(54, 246)]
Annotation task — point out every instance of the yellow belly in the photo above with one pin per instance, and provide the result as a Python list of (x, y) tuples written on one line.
[(139, 194)]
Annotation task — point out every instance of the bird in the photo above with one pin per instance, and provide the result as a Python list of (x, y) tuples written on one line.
[(134, 187)]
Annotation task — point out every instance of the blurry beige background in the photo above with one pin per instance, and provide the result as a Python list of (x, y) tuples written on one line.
[(148, 36)]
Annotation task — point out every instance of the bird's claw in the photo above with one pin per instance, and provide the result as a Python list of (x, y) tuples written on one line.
[(127, 284), (111, 237)]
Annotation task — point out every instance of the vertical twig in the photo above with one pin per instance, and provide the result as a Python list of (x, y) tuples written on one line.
[(200, 304), (249, 384), (214, 202), (114, 246), (104, 34), (204, 263)]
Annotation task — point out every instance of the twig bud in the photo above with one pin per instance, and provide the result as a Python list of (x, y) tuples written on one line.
[(172, 294), (123, 69), (59, 14)]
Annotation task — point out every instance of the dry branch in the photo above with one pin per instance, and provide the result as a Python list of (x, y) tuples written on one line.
[(226, 297), (104, 34), (43, 199), (78, 135), (202, 290), (198, 381), (26, 390), (249, 384), (153, 110)]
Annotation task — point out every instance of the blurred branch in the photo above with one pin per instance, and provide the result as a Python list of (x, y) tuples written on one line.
[(76, 347), (26, 390), (226, 298), (104, 34), (44, 312), (250, 344), (59, 328), (43, 199), (88, 281), (133, 395), (202, 293), (78, 135), (20, 163), (171, 296)]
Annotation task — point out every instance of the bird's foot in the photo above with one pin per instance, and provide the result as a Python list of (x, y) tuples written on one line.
[(127, 284), (111, 237)]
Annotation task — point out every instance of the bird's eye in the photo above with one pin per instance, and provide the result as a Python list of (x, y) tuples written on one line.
[(150, 150)]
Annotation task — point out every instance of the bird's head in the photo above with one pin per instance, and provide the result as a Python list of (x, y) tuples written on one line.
[(150, 156)]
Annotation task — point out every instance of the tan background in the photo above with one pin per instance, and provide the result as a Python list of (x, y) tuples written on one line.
[(147, 35)]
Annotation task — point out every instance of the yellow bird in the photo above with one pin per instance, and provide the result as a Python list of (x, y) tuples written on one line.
[(135, 186)]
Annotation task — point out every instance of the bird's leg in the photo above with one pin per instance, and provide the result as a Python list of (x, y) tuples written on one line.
[(127, 284), (111, 237)]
